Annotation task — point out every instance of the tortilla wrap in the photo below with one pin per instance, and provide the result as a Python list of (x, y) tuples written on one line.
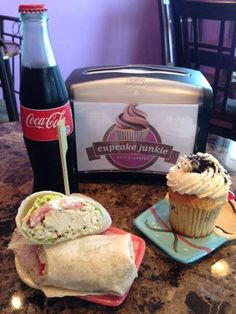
[(95, 264), (61, 225)]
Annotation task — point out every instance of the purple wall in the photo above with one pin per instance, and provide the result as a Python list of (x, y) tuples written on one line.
[(100, 32)]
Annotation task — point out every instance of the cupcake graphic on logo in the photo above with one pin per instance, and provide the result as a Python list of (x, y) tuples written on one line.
[(132, 139), (131, 124)]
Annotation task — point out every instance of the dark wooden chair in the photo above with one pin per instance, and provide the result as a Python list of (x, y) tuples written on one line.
[(205, 39), (10, 61)]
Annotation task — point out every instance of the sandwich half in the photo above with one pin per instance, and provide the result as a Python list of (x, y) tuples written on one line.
[(94, 265), (49, 217)]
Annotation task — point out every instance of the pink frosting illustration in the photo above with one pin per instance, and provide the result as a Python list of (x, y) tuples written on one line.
[(132, 124), (132, 119)]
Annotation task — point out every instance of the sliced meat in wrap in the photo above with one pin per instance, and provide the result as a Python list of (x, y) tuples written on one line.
[(95, 264), (49, 217)]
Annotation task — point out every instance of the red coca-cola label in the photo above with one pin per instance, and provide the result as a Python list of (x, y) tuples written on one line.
[(41, 125)]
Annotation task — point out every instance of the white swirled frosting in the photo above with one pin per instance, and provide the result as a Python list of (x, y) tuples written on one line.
[(201, 175)]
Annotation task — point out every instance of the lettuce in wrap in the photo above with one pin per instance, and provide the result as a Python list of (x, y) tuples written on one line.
[(49, 217)]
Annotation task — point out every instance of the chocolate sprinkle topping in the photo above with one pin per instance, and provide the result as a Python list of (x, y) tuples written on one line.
[(200, 164)]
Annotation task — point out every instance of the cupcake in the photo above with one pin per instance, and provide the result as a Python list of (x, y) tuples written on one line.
[(198, 187), (132, 124)]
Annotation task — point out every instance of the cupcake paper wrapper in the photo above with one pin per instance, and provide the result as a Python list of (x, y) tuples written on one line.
[(191, 216), (193, 222)]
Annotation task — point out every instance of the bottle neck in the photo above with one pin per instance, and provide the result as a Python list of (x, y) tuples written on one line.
[(36, 48)]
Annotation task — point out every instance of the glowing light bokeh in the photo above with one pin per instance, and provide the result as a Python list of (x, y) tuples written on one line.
[(16, 302), (220, 268)]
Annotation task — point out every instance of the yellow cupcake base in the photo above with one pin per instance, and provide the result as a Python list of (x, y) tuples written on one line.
[(192, 216)]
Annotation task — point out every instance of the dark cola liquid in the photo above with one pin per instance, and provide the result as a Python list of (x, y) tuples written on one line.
[(45, 89)]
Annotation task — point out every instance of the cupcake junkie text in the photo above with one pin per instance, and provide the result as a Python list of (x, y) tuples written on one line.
[(103, 148)]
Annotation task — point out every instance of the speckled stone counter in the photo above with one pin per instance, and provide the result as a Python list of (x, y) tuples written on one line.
[(163, 285)]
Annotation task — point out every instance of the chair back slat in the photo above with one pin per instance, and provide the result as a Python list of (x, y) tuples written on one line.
[(219, 58), (196, 42), (185, 41)]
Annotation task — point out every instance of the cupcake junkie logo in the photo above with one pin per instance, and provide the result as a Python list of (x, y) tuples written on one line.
[(131, 143)]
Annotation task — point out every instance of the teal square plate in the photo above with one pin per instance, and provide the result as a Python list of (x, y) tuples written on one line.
[(154, 224)]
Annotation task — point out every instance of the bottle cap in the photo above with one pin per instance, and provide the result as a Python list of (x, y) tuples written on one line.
[(32, 8)]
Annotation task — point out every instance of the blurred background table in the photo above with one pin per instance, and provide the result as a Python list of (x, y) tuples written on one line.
[(163, 285)]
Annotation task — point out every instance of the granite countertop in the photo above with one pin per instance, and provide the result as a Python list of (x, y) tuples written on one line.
[(163, 285)]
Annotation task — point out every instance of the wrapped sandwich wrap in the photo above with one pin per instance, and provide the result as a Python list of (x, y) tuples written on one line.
[(95, 264), (49, 217)]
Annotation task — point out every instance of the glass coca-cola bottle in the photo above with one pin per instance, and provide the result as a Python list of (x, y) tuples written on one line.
[(44, 102)]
